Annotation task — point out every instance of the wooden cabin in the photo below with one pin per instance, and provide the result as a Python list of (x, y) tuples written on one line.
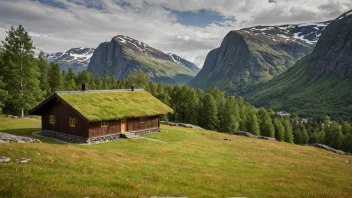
[(99, 115)]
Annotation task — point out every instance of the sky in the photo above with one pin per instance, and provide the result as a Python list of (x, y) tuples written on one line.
[(188, 28)]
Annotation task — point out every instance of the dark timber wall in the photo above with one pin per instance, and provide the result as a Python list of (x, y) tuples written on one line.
[(150, 123), (95, 129), (114, 126), (62, 114)]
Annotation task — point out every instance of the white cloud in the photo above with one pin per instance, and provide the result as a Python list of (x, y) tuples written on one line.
[(55, 29)]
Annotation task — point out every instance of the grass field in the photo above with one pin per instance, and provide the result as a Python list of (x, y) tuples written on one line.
[(194, 163)]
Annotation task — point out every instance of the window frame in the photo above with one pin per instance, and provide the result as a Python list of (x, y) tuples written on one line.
[(104, 124), (142, 120), (72, 122), (52, 119)]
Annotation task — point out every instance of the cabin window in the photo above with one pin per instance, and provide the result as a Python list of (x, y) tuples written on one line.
[(51, 119), (141, 120), (104, 124), (72, 122)]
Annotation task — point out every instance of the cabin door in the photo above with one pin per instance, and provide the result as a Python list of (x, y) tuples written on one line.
[(123, 124)]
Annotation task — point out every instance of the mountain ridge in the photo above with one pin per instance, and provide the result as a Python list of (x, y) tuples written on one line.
[(256, 54), (319, 83), (124, 55), (76, 58)]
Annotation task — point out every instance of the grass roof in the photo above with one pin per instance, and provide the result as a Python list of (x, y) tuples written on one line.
[(98, 106)]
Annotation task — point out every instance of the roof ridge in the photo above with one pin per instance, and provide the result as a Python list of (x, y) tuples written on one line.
[(98, 91)]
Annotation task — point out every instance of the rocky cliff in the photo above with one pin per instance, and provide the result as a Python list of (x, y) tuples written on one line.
[(124, 55), (319, 83), (257, 54)]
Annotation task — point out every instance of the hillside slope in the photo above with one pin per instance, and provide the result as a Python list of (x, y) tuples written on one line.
[(76, 58), (193, 163), (257, 54), (320, 82), (124, 55)]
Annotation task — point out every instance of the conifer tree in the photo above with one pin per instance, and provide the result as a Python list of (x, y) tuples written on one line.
[(334, 136), (297, 139), (152, 87), (192, 108), (43, 69), (279, 129), (98, 83), (228, 119), (209, 112), (288, 130), (55, 78), (84, 77), (347, 143), (21, 72), (266, 126), (346, 128), (3, 94), (252, 122), (304, 134), (70, 81)]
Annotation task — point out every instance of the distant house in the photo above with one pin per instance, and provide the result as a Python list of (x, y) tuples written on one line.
[(99, 115), (282, 113)]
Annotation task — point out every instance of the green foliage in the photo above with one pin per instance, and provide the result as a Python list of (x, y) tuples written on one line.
[(279, 129), (266, 125), (252, 123), (55, 77), (3, 94), (43, 70), (297, 135), (21, 72), (334, 136), (346, 128), (304, 134), (288, 136), (208, 113), (229, 121), (191, 105), (347, 143)]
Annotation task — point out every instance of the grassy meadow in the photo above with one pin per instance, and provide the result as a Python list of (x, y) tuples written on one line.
[(193, 163)]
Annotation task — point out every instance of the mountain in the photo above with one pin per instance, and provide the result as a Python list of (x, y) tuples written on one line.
[(319, 83), (124, 55), (76, 58), (257, 54)]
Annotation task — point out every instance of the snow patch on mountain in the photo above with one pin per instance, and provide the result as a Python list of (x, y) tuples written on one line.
[(305, 33), (76, 58)]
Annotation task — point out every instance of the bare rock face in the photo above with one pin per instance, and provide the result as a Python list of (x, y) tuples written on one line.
[(325, 147), (124, 55), (253, 55), (8, 138), (320, 82), (246, 134), (23, 160), (4, 159)]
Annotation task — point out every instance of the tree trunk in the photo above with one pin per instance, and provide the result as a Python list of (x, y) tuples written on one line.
[(22, 114)]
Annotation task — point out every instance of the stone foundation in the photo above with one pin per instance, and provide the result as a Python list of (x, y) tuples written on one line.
[(64, 137), (146, 132), (94, 140)]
